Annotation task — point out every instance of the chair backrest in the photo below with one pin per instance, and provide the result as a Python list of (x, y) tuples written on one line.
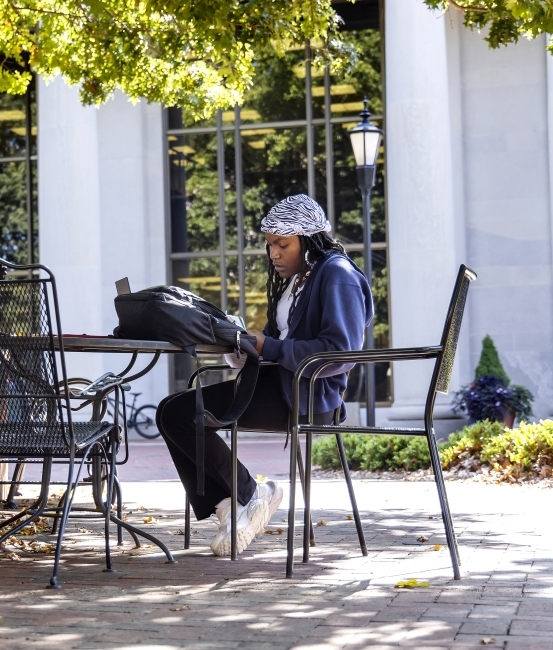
[(450, 336), (32, 406)]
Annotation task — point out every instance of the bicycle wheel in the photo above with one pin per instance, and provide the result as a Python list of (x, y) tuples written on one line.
[(145, 421), (79, 383)]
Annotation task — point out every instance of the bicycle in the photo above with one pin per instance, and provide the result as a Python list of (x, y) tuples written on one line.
[(142, 419)]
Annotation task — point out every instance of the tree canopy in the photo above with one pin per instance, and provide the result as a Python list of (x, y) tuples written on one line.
[(197, 54), (507, 20)]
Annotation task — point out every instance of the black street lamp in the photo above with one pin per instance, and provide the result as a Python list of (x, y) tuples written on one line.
[(365, 140)]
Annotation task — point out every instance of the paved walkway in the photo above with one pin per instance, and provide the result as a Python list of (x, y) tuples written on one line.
[(339, 600)]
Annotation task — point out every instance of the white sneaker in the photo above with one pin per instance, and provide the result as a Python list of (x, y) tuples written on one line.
[(249, 520), (272, 493)]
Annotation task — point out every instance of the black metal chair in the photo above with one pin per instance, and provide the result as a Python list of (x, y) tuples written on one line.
[(234, 460), (36, 414), (444, 354)]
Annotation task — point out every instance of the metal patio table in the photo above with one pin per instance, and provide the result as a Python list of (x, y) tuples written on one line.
[(108, 344)]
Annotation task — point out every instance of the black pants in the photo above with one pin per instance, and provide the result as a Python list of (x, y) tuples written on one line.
[(175, 419)]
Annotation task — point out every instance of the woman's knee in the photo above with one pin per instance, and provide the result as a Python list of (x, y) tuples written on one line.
[(175, 415)]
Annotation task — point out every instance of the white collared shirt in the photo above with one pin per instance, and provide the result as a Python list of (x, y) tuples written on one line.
[(283, 309)]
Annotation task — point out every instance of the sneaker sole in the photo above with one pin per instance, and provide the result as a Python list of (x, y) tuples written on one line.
[(273, 505), (244, 536)]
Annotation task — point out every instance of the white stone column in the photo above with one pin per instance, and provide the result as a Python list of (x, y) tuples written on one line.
[(546, 379), (102, 215), (423, 252), (130, 141), (69, 213)]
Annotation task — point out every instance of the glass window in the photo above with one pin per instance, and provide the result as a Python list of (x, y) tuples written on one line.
[(194, 191), (349, 86), (18, 186), (13, 211), (270, 164), (256, 291), (201, 276), (279, 90), (274, 166)]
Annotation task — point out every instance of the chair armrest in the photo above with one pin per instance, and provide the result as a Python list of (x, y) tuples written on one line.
[(200, 371), (357, 356), (367, 356)]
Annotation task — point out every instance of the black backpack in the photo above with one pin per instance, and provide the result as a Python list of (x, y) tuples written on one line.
[(187, 320)]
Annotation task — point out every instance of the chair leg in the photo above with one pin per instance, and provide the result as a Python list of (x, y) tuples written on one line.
[(40, 504), (120, 528), (119, 496), (442, 495), (63, 522), (349, 483), (55, 523), (187, 524), (233, 490), (292, 507), (16, 478), (109, 500), (307, 523), (302, 481)]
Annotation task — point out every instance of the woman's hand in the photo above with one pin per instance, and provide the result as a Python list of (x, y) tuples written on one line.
[(259, 339)]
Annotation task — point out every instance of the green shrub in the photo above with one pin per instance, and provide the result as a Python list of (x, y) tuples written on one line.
[(469, 442), (373, 452), (525, 450), (490, 363)]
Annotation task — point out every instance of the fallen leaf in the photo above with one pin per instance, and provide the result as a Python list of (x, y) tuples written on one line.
[(486, 640), (268, 532), (437, 547), (350, 517), (149, 520), (181, 607), (411, 583), (422, 539), (180, 531), (14, 556), (260, 478), (279, 531), (322, 522), (430, 517)]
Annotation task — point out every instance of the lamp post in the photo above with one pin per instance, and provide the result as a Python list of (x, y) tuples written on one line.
[(365, 141)]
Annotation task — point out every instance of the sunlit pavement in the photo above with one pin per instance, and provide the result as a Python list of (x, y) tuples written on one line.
[(339, 600)]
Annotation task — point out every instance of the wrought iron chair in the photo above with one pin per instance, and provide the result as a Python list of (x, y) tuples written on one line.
[(36, 413), (234, 462), (444, 354)]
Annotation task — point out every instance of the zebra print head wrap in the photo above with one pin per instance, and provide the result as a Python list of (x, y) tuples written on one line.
[(296, 215)]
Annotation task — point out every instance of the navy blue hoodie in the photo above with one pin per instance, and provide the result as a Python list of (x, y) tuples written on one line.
[(331, 314)]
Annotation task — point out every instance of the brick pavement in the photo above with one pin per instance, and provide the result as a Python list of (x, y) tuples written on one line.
[(339, 600)]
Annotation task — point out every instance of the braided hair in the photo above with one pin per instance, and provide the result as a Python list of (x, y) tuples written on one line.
[(312, 247)]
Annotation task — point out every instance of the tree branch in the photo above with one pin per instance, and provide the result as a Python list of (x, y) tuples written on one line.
[(480, 10)]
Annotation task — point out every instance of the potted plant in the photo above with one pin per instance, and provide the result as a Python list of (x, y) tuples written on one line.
[(490, 396)]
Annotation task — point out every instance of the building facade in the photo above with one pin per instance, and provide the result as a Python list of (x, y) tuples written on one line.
[(138, 191)]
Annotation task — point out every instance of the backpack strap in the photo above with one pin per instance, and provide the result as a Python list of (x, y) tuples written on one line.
[(245, 386)]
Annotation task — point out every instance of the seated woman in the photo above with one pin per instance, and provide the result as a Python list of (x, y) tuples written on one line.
[(318, 301)]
